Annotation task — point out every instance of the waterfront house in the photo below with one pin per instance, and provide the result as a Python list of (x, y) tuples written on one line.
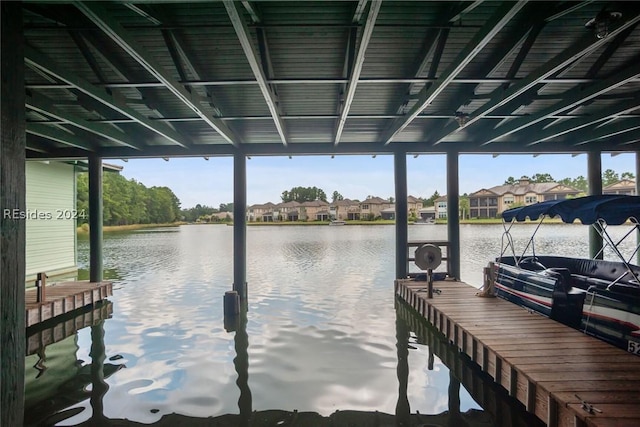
[(261, 212), (388, 213), (413, 205), (316, 210), (489, 203), (440, 205), (345, 209), (288, 211), (624, 186), (372, 207), (428, 212)]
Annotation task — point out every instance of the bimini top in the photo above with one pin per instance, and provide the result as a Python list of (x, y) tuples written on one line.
[(613, 209)]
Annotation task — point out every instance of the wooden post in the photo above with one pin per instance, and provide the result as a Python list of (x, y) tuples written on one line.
[(594, 178), (95, 218), (12, 204), (41, 287), (453, 221), (400, 174)]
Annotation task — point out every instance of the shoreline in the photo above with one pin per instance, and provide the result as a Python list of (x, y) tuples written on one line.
[(115, 228), (84, 230)]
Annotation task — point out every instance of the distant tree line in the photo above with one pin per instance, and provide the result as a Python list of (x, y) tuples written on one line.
[(129, 202), (203, 211), (306, 194)]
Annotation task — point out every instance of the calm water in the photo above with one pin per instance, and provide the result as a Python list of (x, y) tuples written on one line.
[(321, 331)]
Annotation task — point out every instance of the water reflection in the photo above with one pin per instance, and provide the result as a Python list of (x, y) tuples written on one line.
[(57, 382), (494, 399), (241, 364), (324, 337)]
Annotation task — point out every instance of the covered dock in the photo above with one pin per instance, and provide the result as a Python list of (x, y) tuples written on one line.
[(560, 375), (128, 79)]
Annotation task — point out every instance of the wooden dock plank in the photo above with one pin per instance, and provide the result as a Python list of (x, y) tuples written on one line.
[(63, 298), (42, 337), (540, 362)]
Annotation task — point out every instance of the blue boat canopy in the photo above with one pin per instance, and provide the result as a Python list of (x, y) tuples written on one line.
[(612, 208)]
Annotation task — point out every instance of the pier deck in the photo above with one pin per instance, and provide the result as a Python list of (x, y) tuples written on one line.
[(542, 363), (63, 298)]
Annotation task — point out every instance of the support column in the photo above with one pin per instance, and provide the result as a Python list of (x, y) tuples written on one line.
[(240, 226), (638, 194), (400, 175), (95, 218), (12, 205), (453, 219), (594, 179)]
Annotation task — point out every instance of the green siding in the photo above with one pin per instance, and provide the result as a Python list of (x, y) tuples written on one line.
[(50, 242)]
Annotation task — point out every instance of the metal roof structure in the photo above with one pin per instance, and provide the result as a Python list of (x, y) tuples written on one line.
[(161, 79)]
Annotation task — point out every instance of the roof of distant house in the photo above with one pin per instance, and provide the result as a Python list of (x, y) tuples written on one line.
[(623, 183), (526, 187)]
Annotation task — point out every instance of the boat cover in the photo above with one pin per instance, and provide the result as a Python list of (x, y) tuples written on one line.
[(614, 209)]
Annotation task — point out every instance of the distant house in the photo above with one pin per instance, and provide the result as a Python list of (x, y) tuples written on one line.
[(289, 211), (413, 205), (373, 206), (316, 210), (388, 213), (343, 209), (262, 212), (624, 186), (220, 216), (489, 203), (440, 205), (428, 212)]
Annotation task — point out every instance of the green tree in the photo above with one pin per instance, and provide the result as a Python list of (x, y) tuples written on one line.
[(198, 211), (609, 177), (82, 196), (431, 200), (510, 181), (303, 194), (336, 196), (226, 207), (463, 206), (128, 201), (627, 175), (541, 178), (579, 183)]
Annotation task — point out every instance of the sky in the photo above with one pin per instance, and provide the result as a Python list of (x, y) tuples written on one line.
[(210, 182)]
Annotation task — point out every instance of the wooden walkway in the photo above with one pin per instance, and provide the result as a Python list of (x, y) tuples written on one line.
[(559, 374), (63, 298)]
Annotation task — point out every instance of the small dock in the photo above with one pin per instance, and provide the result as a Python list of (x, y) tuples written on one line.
[(67, 325), (560, 375), (62, 298)]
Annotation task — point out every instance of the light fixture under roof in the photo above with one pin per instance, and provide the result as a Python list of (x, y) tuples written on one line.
[(600, 24), (461, 118)]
